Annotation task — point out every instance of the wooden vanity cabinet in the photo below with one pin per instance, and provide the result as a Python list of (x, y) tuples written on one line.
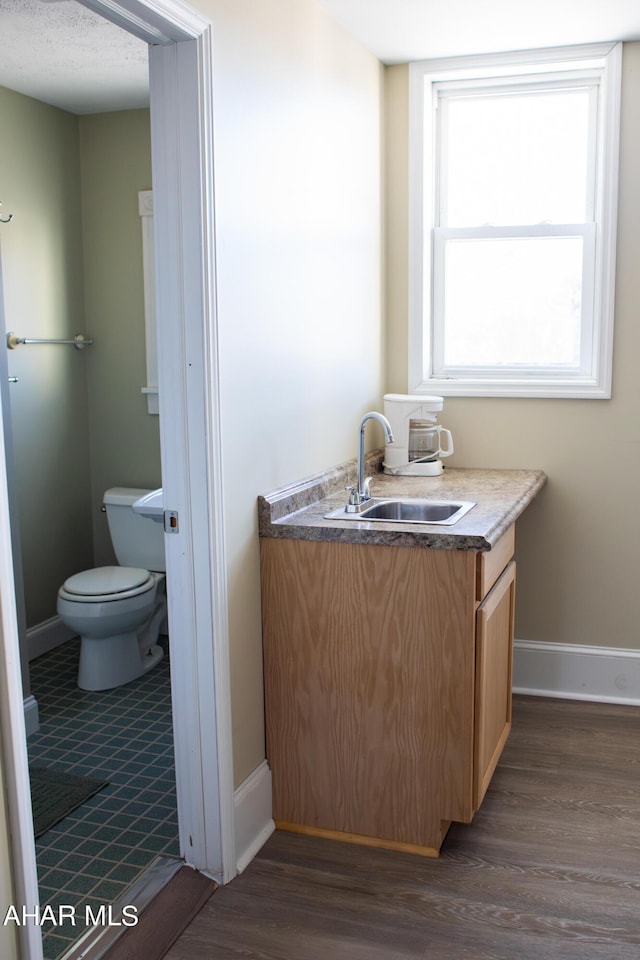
[(387, 686)]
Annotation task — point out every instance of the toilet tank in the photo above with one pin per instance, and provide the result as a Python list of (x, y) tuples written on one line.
[(137, 541)]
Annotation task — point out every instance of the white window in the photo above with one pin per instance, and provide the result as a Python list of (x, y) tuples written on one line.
[(514, 162)]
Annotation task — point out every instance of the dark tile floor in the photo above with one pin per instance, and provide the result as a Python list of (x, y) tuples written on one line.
[(123, 736)]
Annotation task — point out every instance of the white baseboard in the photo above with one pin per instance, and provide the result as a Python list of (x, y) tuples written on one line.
[(252, 809), (46, 636), (607, 674), (31, 715)]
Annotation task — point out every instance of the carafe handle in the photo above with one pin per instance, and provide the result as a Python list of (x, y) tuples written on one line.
[(449, 448)]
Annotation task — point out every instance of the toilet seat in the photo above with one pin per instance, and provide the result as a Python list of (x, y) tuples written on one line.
[(106, 583)]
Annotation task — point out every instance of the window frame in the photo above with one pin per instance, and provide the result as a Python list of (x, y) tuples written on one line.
[(145, 209), (602, 62)]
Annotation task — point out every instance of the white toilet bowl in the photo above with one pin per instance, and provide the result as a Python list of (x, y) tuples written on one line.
[(119, 611)]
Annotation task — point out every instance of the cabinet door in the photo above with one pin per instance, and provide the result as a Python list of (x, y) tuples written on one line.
[(494, 647)]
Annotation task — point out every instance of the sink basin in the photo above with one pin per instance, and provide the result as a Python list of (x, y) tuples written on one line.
[(151, 506), (407, 511)]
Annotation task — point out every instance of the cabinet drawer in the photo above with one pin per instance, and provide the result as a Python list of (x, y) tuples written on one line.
[(491, 563)]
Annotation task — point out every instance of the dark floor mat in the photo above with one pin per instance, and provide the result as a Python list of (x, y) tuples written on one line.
[(55, 793)]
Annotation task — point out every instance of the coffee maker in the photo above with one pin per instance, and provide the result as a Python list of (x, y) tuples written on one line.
[(418, 448)]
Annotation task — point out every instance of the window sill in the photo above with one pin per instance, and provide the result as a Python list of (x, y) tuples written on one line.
[(576, 390)]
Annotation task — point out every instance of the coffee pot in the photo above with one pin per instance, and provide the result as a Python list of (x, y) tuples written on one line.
[(425, 441), (420, 441)]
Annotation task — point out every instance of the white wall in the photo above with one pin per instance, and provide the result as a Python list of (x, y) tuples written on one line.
[(578, 545), (297, 154)]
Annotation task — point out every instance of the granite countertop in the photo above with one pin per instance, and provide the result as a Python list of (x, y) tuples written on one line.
[(298, 511)]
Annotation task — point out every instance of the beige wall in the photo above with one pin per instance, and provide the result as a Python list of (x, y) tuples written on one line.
[(396, 196), (297, 140), (124, 439), (43, 297), (578, 546)]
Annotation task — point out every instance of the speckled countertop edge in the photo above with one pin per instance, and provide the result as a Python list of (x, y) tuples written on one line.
[(297, 511)]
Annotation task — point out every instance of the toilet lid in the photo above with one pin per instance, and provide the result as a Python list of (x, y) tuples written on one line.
[(106, 580)]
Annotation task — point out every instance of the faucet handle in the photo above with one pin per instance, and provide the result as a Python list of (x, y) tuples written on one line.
[(353, 495), (366, 487)]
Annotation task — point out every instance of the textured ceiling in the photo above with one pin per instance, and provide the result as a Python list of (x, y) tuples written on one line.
[(60, 52), (64, 54)]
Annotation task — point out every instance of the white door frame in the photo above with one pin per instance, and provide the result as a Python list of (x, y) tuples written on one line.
[(188, 371), (188, 374)]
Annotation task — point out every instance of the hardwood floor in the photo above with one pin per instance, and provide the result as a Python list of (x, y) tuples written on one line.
[(548, 870)]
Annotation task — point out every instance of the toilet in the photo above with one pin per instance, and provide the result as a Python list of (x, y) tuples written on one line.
[(119, 612)]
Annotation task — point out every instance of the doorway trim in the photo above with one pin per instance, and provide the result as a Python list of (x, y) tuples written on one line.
[(189, 403), (181, 92), (181, 87)]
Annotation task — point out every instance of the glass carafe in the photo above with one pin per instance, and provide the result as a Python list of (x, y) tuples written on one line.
[(425, 440)]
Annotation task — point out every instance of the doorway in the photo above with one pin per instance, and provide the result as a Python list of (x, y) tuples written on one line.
[(181, 103), (80, 427)]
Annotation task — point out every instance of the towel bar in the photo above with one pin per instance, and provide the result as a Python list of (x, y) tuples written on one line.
[(79, 341)]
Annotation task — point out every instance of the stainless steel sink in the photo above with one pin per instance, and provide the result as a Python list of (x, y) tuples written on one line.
[(406, 511)]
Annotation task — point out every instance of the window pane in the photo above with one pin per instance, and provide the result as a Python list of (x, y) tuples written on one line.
[(513, 302), (515, 159)]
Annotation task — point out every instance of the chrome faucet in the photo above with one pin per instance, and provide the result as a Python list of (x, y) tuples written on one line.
[(360, 494)]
